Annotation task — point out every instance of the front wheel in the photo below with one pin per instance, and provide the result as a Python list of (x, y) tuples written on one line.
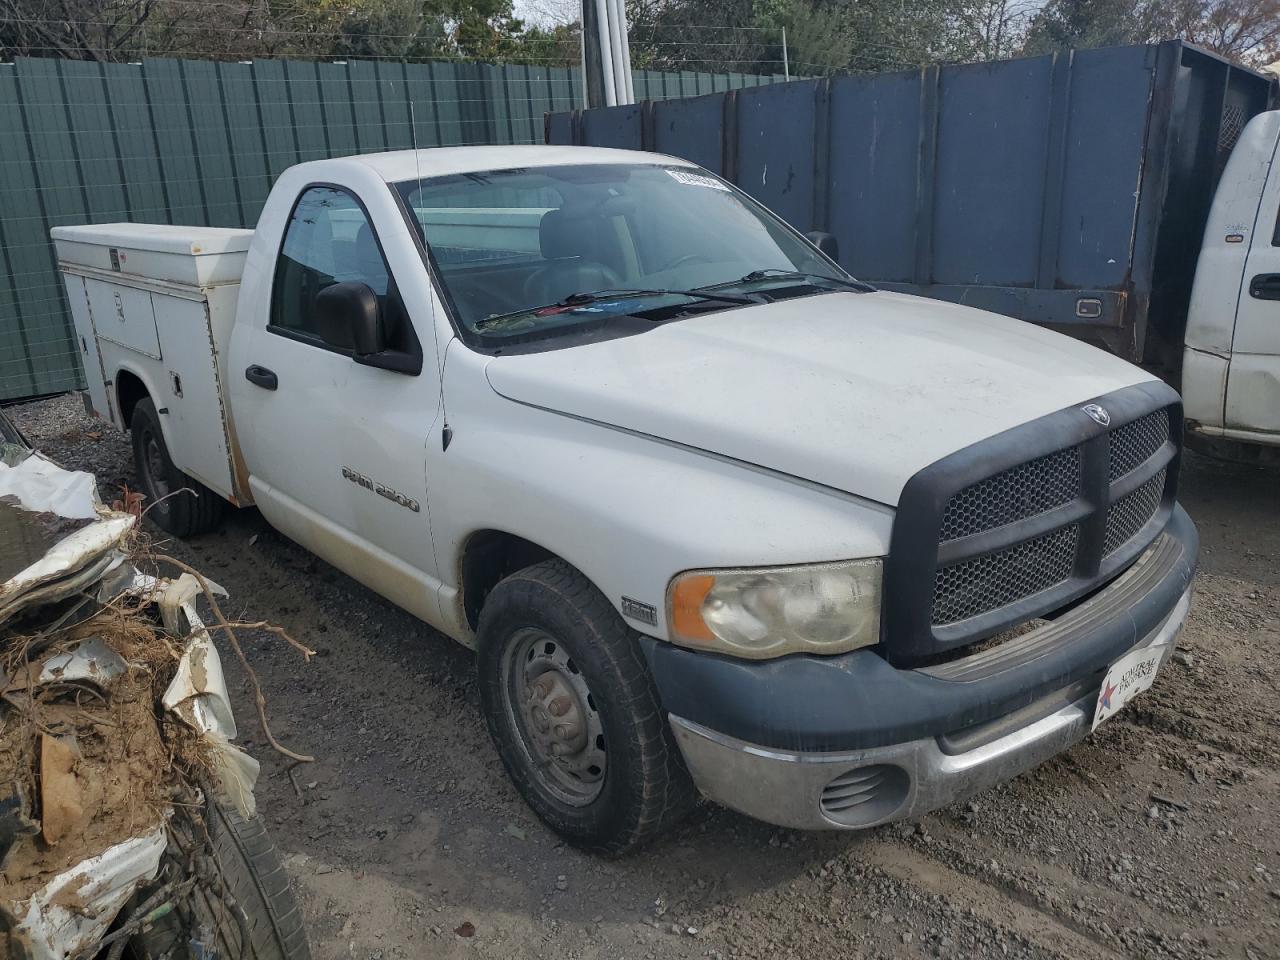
[(573, 712)]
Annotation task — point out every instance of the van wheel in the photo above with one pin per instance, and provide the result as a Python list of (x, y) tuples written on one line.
[(574, 714), (195, 510)]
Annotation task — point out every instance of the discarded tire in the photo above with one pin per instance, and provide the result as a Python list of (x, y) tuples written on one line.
[(251, 882)]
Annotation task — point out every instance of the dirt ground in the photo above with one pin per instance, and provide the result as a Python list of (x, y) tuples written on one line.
[(1157, 837)]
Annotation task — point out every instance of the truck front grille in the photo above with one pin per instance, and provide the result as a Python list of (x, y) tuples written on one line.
[(993, 580), (1042, 527), (1014, 494), (1135, 443), (1128, 515)]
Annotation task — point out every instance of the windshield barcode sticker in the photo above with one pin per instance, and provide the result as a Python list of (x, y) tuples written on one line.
[(696, 180)]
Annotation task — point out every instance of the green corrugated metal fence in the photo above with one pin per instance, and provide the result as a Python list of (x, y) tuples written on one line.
[(200, 142)]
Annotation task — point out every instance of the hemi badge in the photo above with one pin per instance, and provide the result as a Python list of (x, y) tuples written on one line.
[(644, 612)]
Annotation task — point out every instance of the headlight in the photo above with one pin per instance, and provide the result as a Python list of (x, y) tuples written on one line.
[(772, 611)]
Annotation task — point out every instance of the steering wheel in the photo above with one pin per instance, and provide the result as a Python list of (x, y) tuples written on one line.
[(682, 260), (559, 278)]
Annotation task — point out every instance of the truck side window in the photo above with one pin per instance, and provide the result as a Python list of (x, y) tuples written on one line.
[(329, 240)]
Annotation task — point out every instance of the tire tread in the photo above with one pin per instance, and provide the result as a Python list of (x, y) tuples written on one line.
[(274, 919)]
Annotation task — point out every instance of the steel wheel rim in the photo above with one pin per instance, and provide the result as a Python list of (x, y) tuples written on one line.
[(551, 708), (153, 469)]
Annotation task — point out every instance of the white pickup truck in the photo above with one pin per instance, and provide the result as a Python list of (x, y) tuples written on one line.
[(713, 513), (1231, 364)]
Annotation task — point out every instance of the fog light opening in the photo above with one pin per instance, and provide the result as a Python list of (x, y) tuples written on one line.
[(865, 795)]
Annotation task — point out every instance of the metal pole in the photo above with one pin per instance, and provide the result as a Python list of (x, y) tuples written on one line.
[(616, 32), (622, 59), (786, 65), (607, 69), (592, 58)]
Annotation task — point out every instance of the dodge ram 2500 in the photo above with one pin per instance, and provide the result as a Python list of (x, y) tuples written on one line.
[(715, 515)]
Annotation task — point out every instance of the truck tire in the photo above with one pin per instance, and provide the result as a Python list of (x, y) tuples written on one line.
[(574, 714), (179, 513), (249, 869)]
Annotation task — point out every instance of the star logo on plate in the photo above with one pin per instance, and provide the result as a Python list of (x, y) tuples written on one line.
[(1106, 696)]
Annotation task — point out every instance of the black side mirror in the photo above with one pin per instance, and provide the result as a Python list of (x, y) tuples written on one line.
[(347, 315), (826, 244)]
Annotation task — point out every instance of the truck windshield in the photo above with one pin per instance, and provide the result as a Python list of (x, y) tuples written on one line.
[(536, 252)]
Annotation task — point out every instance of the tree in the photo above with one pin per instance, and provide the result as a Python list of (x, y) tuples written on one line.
[(818, 43), (243, 29), (71, 29), (550, 45), (1065, 24), (824, 36), (1247, 31), (705, 35), (990, 29)]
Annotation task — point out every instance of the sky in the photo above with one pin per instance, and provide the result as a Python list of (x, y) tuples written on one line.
[(547, 12)]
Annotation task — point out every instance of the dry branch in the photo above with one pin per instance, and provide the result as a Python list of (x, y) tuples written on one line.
[(228, 627)]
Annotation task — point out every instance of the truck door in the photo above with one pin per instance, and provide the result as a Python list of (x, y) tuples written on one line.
[(336, 448), (1253, 378)]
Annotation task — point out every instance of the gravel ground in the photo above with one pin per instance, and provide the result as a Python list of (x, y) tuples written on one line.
[(1157, 837)]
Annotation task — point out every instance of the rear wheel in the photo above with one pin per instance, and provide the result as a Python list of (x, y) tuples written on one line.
[(574, 714), (244, 911), (177, 502)]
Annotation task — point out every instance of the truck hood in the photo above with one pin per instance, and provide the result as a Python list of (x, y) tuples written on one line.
[(855, 391)]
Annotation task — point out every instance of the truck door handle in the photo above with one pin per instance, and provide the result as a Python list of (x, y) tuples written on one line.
[(261, 376), (1265, 286)]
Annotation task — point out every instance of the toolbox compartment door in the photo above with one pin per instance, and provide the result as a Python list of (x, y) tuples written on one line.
[(196, 427), (124, 316), (87, 346)]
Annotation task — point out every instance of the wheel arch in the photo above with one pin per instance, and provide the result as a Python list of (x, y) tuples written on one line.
[(487, 557), (130, 389)]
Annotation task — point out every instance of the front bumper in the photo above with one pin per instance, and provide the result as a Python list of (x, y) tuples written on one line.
[(813, 791), (975, 722)]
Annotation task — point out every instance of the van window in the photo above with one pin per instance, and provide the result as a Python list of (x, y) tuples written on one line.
[(328, 240)]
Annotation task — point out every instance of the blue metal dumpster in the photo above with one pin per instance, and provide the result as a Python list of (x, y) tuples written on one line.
[(1069, 190)]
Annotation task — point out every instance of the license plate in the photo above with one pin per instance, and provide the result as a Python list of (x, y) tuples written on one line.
[(1128, 677)]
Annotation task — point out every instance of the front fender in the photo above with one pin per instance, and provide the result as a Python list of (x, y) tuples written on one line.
[(628, 511)]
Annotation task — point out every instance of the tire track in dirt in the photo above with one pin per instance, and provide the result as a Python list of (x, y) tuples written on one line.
[(1007, 909)]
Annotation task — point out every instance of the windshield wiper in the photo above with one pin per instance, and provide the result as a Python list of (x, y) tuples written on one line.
[(596, 296), (777, 273)]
